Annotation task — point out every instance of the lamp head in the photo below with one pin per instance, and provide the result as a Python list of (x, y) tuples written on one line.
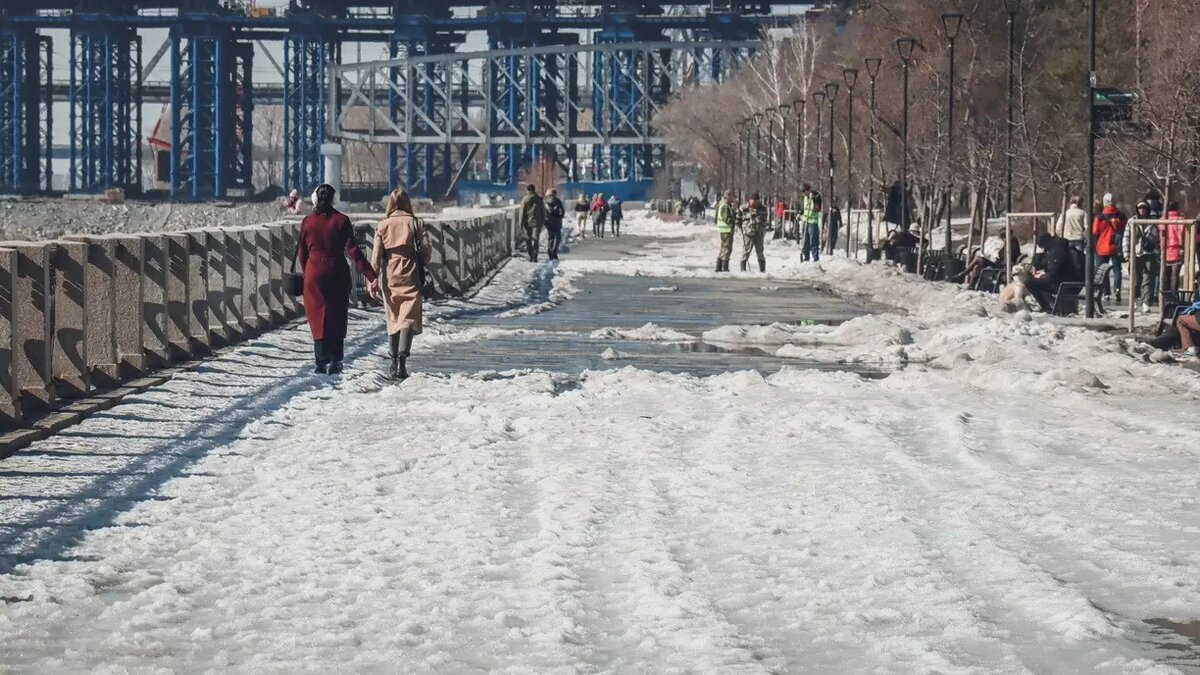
[(952, 22), (1012, 6), (831, 91), (905, 46), (850, 75), (818, 98), (758, 118), (798, 106), (874, 63)]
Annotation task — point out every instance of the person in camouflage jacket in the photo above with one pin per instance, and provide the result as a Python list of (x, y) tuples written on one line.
[(755, 221)]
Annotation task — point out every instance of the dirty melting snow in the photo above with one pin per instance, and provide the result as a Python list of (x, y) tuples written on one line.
[(987, 510)]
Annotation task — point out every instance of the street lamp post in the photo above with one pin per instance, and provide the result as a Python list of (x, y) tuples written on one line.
[(1090, 265), (783, 111), (744, 139), (818, 99), (1011, 7), (769, 189), (951, 23), (831, 91), (905, 46), (758, 163), (873, 64), (850, 75), (798, 106)]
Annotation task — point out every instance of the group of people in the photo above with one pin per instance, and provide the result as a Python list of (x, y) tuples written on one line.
[(598, 210), (753, 220), (394, 274)]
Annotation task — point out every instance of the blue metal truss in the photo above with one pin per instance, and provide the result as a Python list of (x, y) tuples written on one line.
[(423, 169), (305, 94), (211, 113), (106, 106), (25, 111)]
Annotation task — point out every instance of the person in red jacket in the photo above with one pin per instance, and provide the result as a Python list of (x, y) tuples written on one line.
[(326, 239), (1172, 237), (1109, 230)]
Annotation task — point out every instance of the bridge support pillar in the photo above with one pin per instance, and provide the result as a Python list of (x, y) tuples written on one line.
[(128, 311), (155, 279), (32, 323), (26, 107), (105, 105)]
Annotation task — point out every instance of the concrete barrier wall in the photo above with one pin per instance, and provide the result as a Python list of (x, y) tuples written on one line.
[(90, 312)]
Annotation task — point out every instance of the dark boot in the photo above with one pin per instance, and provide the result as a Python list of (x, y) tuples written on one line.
[(762, 266), (720, 264), (401, 346), (745, 266), (321, 357), (335, 368)]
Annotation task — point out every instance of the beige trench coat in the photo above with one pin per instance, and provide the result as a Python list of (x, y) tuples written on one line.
[(394, 248)]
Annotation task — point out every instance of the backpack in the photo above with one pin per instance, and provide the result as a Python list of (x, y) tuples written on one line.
[(1147, 243)]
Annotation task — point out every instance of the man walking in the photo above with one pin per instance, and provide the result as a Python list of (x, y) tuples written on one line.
[(582, 208), (755, 220), (1075, 225), (1141, 245), (533, 217), (1109, 230), (726, 218), (811, 223), (616, 213), (555, 214)]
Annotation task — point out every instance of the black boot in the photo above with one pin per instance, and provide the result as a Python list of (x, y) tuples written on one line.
[(762, 266), (321, 357), (335, 368), (401, 346), (720, 264)]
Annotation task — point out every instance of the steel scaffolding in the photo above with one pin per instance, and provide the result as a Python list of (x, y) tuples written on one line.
[(25, 111), (212, 105), (105, 106)]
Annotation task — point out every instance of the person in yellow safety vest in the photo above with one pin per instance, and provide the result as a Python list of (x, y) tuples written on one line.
[(811, 217), (726, 219)]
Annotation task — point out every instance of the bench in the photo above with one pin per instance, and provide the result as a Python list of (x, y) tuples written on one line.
[(1066, 300), (990, 280)]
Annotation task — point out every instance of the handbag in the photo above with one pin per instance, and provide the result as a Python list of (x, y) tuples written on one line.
[(293, 283), (419, 248)]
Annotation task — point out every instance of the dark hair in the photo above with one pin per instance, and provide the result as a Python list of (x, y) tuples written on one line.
[(325, 193), (755, 197), (1173, 206)]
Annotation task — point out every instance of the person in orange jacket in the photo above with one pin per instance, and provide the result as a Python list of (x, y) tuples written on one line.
[(1109, 229)]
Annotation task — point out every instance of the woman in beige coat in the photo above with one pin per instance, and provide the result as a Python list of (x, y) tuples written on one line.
[(395, 263)]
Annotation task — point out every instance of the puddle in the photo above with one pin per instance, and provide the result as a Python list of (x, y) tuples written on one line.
[(702, 347)]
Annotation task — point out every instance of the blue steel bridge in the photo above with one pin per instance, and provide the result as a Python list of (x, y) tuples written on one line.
[(541, 90)]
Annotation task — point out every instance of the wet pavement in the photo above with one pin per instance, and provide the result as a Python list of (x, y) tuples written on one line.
[(561, 339)]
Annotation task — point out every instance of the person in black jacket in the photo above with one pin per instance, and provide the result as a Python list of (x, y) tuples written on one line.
[(555, 213), (1058, 267)]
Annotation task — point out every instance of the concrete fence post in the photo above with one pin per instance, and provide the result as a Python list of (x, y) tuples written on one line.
[(69, 363), (249, 275), (235, 321), (263, 275), (199, 301), (178, 296), (100, 347), (218, 328), (32, 311), (10, 409), (155, 266), (278, 268), (128, 316)]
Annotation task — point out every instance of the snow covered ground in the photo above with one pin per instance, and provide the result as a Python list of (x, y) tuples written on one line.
[(1020, 497)]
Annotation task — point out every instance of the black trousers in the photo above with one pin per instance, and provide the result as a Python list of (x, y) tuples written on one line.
[(330, 350), (553, 241)]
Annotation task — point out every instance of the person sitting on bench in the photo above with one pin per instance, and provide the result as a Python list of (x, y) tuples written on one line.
[(1188, 325), (981, 262), (1058, 267)]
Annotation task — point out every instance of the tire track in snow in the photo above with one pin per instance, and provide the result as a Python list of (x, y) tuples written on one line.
[(1042, 613)]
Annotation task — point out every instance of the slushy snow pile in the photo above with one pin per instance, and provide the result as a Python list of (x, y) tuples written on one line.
[(1021, 497)]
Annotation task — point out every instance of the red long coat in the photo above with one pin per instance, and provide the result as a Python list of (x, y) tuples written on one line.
[(325, 242)]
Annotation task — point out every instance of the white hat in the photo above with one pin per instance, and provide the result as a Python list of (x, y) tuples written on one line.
[(1108, 201)]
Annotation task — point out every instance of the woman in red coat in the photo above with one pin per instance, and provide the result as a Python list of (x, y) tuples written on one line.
[(326, 239)]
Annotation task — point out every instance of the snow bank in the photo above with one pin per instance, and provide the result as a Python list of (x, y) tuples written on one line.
[(958, 331), (650, 332)]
